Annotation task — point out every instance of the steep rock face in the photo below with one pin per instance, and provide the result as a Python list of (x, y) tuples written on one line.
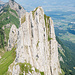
[(36, 44), (54, 51), (13, 5), (12, 37)]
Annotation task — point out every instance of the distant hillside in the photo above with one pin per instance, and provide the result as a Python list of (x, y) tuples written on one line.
[(8, 17), (1, 3), (67, 59), (33, 39)]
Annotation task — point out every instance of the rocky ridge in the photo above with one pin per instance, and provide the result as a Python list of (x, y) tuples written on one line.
[(35, 44), (18, 8)]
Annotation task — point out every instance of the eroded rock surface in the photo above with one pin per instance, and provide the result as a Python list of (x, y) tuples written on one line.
[(36, 44)]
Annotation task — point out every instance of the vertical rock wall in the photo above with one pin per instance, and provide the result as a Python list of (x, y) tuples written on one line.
[(36, 43)]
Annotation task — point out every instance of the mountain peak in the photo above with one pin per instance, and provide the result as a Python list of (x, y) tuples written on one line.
[(35, 44), (38, 8), (11, 0), (17, 7), (11, 3)]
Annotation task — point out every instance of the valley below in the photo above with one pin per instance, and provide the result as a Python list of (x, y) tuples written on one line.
[(38, 42)]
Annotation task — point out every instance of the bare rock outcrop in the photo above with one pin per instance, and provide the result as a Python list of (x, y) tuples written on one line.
[(12, 37), (36, 44)]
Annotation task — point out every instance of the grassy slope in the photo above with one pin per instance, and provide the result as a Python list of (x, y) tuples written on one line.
[(6, 60), (7, 56)]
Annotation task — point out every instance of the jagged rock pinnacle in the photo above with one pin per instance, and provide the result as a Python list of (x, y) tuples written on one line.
[(35, 43), (11, 3)]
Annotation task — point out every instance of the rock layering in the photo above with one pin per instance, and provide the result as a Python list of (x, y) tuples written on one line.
[(35, 44)]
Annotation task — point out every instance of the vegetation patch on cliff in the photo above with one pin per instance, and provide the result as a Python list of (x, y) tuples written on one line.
[(37, 44), (27, 67), (42, 73), (49, 38), (6, 31), (13, 12), (46, 18), (34, 12), (23, 19), (6, 60)]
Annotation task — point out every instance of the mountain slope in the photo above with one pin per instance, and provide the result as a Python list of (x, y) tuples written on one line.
[(67, 59), (36, 44), (17, 7), (31, 44), (8, 17)]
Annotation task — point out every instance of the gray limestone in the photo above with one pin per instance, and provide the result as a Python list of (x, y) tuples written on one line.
[(33, 45)]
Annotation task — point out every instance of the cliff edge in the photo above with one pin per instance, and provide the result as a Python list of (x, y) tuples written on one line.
[(36, 45)]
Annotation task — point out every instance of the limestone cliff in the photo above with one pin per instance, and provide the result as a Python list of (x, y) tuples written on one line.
[(36, 46)]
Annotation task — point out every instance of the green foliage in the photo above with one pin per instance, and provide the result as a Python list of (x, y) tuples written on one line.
[(42, 73), (25, 67), (69, 59), (48, 25), (61, 52), (45, 18), (2, 51), (7, 18), (14, 20), (49, 38), (37, 43), (1, 38), (48, 17), (23, 19), (6, 31), (36, 70), (14, 12), (69, 44), (63, 73), (6, 60), (34, 12)]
